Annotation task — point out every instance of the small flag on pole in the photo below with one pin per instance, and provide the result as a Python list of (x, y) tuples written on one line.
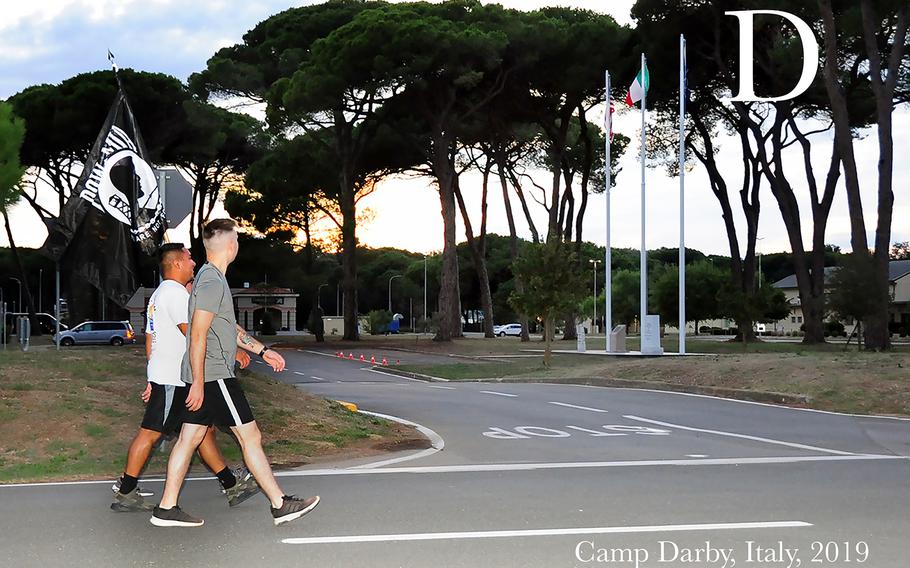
[(639, 87), (110, 57)]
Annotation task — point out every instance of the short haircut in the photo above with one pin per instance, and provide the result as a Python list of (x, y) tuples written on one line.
[(168, 251), (216, 227)]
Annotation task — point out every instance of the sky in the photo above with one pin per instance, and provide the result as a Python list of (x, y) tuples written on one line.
[(47, 41)]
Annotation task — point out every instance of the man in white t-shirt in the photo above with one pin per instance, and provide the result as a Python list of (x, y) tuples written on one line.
[(165, 394)]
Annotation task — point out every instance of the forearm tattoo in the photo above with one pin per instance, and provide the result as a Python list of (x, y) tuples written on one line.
[(247, 340)]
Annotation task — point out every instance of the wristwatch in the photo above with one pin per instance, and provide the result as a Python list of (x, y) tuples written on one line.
[(264, 349)]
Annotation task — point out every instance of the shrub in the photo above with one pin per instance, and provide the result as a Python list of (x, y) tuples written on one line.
[(378, 321)]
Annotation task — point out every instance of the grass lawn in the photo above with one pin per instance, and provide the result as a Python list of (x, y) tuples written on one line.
[(72, 415)]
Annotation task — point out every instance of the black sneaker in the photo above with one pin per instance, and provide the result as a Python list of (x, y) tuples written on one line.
[(293, 508), (130, 502), (174, 517), (243, 489)]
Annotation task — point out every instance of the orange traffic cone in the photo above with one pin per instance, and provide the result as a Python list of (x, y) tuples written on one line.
[(362, 358), (372, 359), (385, 363), (351, 356)]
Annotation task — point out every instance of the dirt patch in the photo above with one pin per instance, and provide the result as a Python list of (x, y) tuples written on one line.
[(72, 415)]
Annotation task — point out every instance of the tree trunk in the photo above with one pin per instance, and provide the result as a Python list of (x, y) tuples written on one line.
[(513, 240), (548, 333), (26, 291), (480, 263), (878, 337), (449, 294)]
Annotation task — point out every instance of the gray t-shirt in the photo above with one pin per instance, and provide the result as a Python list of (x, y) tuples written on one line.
[(212, 294)]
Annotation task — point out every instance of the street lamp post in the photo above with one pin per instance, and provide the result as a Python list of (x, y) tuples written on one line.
[(19, 282), (390, 289), (595, 262), (40, 277), (424, 290)]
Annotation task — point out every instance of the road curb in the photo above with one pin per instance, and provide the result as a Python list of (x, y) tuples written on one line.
[(722, 392)]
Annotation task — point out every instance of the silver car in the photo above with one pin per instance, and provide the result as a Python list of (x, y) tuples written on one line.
[(99, 332)]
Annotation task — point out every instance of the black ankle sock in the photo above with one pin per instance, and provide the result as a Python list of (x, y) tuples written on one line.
[(226, 477), (128, 483)]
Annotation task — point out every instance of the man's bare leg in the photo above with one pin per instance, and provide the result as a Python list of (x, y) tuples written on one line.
[(250, 439), (209, 452), (140, 449), (191, 436)]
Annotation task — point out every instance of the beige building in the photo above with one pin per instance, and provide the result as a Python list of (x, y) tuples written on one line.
[(899, 282), (251, 307)]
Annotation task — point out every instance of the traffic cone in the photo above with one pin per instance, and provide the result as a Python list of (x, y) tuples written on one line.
[(339, 354), (362, 358), (398, 361), (385, 363), (351, 356), (372, 359)]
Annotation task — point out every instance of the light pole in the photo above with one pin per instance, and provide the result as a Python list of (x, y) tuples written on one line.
[(758, 239), (40, 277), (595, 262), (19, 282), (390, 289), (318, 299), (424, 290)]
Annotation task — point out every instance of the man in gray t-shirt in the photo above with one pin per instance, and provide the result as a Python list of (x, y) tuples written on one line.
[(211, 293), (215, 396)]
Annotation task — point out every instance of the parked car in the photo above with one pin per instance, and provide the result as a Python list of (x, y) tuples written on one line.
[(47, 323), (507, 329), (99, 332)]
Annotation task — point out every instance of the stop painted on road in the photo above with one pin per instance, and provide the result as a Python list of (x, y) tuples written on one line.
[(608, 430)]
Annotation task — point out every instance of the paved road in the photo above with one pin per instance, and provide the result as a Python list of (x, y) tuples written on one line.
[(530, 475)]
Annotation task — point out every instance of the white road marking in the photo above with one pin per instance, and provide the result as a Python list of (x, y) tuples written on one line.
[(742, 436), (508, 467), (500, 394), (441, 387), (567, 405), (395, 376), (299, 373), (323, 354), (546, 532), (436, 442), (737, 401), (317, 378), (696, 455)]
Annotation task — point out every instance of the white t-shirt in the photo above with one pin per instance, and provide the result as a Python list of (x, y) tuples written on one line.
[(166, 310)]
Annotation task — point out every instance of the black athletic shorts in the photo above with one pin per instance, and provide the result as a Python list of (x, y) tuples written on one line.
[(224, 405), (164, 410)]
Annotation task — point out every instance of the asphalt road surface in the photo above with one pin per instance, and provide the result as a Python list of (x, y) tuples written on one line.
[(527, 476)]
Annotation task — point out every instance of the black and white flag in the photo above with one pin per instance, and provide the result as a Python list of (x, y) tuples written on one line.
[(115, 208)]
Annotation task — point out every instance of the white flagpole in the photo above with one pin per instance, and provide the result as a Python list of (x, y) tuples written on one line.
[(608, 257), (644, 252), (682, 195)]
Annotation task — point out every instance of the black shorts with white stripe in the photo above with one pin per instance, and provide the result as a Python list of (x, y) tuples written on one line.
[(163, 412), (223, 405)]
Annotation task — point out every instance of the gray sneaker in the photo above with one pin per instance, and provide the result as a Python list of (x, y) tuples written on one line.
[(130, 502), (174, 517), (293, 508), (245, 488)]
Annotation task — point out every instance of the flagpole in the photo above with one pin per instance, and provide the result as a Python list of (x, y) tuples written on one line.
[(644, 253), (608, 256), (682, 195)]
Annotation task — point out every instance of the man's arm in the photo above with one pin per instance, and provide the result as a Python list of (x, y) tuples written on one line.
[(245, 341), (202, 321), (148, 346)]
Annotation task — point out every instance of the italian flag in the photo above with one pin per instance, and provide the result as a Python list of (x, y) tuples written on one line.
[(639, 87)]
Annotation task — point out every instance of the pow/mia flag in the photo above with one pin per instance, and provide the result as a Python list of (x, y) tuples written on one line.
[(114, 210)]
